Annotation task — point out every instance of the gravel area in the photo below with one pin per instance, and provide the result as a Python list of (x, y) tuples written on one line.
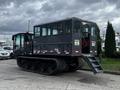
[(13, 78)]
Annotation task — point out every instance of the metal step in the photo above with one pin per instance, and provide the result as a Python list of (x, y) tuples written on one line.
[(99, 70), (93, 63)]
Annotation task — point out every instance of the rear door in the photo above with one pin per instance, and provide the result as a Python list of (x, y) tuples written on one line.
[(86, 39)]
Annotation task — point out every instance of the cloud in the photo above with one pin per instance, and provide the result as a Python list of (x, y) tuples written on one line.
[(14, 14)]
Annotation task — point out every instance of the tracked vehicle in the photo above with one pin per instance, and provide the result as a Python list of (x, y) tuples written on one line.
[(57, 47)]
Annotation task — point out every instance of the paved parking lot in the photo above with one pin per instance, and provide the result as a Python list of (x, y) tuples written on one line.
[(13, 78)]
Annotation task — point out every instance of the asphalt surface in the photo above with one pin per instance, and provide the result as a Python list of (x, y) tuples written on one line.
[(13, 78)]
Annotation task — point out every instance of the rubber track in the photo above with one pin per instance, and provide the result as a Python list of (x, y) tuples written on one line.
[(31, 63)]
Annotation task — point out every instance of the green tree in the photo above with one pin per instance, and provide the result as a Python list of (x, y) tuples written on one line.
[(110, 44)]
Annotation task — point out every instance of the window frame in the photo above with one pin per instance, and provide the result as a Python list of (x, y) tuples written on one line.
[(37, 31)]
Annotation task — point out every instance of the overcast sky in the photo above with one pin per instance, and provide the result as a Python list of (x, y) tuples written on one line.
[(14, 14)]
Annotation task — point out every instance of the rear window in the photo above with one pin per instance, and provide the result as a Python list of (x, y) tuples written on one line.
[(93, 31)]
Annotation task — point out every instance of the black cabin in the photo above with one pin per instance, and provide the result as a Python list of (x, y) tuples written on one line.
[(69, 37)]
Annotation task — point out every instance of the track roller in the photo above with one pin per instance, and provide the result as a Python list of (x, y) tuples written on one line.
[(47, 67)]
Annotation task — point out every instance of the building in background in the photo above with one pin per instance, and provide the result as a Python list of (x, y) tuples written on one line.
[(117, 38), (6, 40), (2, 42)]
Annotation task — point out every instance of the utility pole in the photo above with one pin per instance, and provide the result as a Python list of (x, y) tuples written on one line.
[(28, 26)]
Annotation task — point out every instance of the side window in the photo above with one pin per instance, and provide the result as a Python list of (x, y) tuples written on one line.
[(68, 30), (27, 38), (93, 31), (37, 31), (60, 28), (22, 41), (86, 30), (76, 27), (17, 42), (55, 32), (44, 31), (49, 31)]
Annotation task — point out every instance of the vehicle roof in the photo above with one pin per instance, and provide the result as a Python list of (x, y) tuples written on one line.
[(72, 18), (22, 33)]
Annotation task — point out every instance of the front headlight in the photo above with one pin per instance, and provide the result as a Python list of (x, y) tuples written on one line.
[(8, 54)]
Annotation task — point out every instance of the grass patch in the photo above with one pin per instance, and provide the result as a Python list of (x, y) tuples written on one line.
[(110, 64)]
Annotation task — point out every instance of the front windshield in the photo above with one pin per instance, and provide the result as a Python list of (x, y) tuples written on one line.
[(7, 48)]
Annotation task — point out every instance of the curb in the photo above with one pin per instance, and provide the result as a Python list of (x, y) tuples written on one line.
[(108, 72)]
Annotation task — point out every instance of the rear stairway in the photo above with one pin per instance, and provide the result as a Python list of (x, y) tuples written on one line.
[(93, 63)]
